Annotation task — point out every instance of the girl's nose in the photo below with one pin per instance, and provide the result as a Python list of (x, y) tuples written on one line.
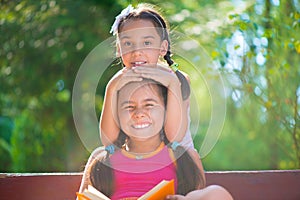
[(137, 50), (139, 113)]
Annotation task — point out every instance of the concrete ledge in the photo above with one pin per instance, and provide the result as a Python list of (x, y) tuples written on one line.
[(242, 185)]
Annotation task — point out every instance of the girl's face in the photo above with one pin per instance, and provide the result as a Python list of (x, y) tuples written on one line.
[(140, 44), (141, 110)]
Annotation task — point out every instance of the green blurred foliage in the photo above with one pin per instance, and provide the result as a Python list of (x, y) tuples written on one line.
[(264, 86), (254, 44), (43, 46)]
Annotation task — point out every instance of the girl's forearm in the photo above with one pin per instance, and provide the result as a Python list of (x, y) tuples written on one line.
[(109, 128), (210, 192), (176, 115)]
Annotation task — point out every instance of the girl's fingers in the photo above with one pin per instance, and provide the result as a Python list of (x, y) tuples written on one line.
[(164, 67), (126, 80), (175, 197), (156, 66), (162, 76), (154, 72), (146, 73), (142, 69)]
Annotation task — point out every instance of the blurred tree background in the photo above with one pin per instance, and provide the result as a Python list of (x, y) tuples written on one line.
[(254, 44)]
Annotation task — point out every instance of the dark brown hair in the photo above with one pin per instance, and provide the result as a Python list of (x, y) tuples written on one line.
[(148, 12)]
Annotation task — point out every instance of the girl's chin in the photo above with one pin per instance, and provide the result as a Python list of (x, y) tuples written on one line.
[(142, 138)]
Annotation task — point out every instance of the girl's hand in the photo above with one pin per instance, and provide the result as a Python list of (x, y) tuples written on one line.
[(176, 197), (159, 73), (121, 78), (176, 120), (109, 123)]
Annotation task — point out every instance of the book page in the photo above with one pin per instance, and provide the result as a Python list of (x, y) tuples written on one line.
[(160, 191), (91, 193), (97, 192)]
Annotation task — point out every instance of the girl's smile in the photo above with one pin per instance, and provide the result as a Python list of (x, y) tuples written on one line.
[(141, 110), (140, 44), (141, 125)]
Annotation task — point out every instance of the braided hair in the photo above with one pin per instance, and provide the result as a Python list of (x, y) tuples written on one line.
[(147, 12), (189, 178)]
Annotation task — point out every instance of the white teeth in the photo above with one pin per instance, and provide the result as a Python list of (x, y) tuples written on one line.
[(140, 126), (139, 63)]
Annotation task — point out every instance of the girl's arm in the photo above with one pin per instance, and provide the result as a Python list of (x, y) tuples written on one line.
[(177, 109), (184, 122), (109, 126), (211, 192), (177, 113)]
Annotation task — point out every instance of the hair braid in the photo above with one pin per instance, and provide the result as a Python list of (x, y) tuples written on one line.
[(185, 86), (101, 175), (167, 57), (188, 174)]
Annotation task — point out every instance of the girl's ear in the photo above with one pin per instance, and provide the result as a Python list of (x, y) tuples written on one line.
[(164, 47)]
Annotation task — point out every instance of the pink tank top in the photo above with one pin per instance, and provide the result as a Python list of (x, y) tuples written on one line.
[(135, 176)]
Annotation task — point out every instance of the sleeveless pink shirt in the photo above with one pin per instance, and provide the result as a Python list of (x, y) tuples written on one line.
[(134, 176)]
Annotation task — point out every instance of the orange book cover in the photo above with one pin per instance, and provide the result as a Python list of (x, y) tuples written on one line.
[(158, 192), (81, 196)]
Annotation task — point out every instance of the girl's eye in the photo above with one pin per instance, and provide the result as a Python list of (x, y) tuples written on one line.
[(147, 43), (127, 44), (149, 105), (129, 108)]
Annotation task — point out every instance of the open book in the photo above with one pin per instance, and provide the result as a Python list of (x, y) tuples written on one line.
[(160, 191)]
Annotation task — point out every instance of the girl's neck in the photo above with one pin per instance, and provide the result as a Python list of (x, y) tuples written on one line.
[(143, 146)]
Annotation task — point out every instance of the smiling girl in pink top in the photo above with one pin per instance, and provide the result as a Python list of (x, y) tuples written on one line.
[(142, 156)]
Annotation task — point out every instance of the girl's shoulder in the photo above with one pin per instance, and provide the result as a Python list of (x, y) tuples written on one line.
[(98, 153)]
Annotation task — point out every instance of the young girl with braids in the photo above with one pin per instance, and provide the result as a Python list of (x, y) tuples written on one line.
[(143, 44), (142, 156)]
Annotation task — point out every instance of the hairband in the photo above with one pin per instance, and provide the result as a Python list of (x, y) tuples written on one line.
[(174, 67), (160, 23), (174, 145), (110, 149), (125, 12)]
